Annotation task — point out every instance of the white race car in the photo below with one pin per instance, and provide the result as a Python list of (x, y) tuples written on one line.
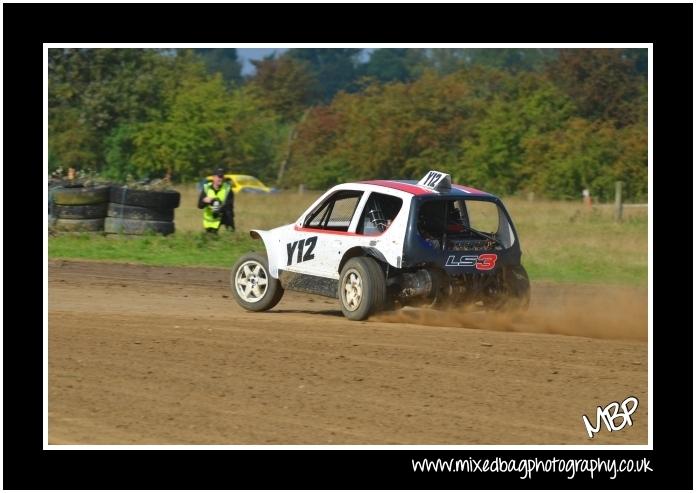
[(380, 244)]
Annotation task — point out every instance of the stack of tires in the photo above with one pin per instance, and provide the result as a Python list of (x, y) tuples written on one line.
[(78, 208), (136, 212)]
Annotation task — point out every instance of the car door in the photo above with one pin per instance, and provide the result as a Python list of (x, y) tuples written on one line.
[(316, 247)]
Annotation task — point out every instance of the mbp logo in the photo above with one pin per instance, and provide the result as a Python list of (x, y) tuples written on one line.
[(609, 415)]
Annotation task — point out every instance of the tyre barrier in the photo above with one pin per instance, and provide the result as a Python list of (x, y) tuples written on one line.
[(76, 225), (151, 199), (112, 209), (74, 207), (117, 225), (80, 195), (140, 213), (136, 212), (92, 211)]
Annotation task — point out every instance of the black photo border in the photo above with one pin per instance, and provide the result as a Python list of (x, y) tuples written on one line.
[(28, 26)]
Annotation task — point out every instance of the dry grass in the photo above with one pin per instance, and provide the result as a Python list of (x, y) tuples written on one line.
[(566, 240), (560, 240), (252, 211)]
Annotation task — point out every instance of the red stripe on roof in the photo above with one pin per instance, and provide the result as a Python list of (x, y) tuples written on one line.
[(469, 189), (404, 187), (333, 232)]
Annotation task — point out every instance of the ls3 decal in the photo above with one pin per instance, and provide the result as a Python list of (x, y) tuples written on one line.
[(310, 243), (484, 261)]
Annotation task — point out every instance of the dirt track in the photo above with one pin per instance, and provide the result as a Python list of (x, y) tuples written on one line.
[(151, 355)]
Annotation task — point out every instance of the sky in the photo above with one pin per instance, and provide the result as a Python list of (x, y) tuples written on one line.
[(247, 54)]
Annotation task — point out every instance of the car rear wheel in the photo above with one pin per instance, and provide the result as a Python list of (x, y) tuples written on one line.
[(362, 288), (517, 289), (252, 285)]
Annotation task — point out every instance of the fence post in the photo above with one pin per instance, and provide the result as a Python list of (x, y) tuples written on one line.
[(618, 202), (586, 199), (300, 189)]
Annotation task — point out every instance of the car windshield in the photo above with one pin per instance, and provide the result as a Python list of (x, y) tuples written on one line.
[(248, 181), (464, 224)]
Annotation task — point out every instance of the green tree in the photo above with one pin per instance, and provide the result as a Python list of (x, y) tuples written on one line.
[(395, 130), (284, 85), (186, 140), (631, 167), (512, 59), (447, 60), (72, 143), (206, 127), (99, 90), (334, 68), (639, 58), (253, 137), (119, 148), (395, 64), (223, 61), (603, 83), (493, 157), (109, 86), (586, 154)]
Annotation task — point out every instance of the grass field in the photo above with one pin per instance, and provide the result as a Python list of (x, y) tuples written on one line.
[(560, 241)]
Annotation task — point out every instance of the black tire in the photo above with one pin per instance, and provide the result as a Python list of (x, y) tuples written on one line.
[(92, 211), (368, 286), (57, 183), (440, 296), (76, 225), (140, 213), (80, 195), (517, 288), (256, 299), (136, 227), (166, 200)]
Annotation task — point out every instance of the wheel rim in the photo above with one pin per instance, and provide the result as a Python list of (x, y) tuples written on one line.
[(352, 290), (251, 281)]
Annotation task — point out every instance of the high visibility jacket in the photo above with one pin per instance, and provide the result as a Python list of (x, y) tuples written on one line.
[(209, 220)]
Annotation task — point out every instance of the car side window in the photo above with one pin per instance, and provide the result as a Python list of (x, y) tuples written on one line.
[(378, 214), (336, 212)]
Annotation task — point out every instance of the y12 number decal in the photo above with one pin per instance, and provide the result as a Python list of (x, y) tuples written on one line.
[(432, 179), (300, 245)]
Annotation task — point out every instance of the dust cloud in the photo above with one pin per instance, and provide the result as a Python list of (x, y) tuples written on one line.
[(602, 312)]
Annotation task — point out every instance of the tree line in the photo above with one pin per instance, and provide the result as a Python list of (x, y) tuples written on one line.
[(551, 121)]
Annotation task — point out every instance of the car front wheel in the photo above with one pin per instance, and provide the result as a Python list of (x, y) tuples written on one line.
[(252, 285)]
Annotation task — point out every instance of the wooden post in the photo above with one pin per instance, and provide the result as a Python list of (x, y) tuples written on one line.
[(530, 197), (300, 189), (586, 199), (618, 202)]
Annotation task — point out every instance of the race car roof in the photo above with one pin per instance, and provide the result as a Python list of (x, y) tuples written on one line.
[(411, 186)]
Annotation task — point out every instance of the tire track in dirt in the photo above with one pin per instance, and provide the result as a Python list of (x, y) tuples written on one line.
[(151, 355)]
